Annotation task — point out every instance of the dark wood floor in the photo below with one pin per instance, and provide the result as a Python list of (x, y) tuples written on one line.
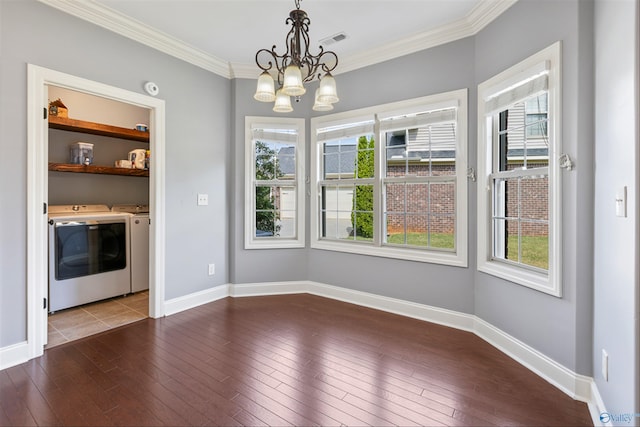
[(281, 360)]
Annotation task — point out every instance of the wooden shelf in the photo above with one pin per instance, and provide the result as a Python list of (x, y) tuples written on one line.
[(105, 170), (82, 126)]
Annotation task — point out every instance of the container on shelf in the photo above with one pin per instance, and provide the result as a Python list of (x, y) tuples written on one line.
[(81, 153)]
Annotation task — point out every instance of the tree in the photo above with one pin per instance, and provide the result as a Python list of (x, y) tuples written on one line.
[(266, 169), (362, 214)]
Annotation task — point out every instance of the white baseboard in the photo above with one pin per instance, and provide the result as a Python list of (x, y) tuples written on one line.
[(575, 385), (424, 312), (597, 407), (268, 288), (14, 355), (195, 299)]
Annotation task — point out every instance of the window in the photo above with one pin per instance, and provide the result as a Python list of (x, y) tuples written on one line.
[(274, 183), (347, 181), (419, 180), (391, 180), (519, 182)]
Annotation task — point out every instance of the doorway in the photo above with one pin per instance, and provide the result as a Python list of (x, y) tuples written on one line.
[(39, 80), (106, 130)]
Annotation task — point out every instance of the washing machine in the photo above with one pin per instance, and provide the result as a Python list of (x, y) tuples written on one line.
[(139, 225), (89, 257)]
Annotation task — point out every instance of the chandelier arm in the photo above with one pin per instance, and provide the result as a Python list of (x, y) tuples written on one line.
[(272, 58), (326, 68)]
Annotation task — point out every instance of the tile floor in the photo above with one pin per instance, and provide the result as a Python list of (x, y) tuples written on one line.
[(79, 322)]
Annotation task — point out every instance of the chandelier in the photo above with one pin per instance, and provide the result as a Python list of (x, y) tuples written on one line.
[(295, 67)]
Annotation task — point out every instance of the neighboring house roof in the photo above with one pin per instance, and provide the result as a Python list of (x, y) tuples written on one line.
[(287, 160)]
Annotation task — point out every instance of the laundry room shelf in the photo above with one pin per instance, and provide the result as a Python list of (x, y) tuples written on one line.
[(105, 170), (82, 126)]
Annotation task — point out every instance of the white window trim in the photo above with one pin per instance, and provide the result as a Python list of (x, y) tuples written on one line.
[(550, 283), (458, 258), (250, 240)]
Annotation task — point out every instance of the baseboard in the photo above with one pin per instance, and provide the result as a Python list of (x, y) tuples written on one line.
[(14, 355), (575, 385), (268, 288), (424, 312), (176, 305), (597, 408)]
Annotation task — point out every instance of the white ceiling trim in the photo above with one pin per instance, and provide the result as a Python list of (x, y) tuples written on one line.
[(105, 17), (126, 26)]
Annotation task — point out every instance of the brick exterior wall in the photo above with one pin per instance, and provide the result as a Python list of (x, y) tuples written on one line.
[(429, 207), (441, 217), (534, 204)]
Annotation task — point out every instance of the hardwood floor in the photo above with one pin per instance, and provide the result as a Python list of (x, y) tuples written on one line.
[(281, 360)]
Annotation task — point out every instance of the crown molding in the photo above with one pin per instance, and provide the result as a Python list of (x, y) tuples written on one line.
[(485, 12), (126, 26), (105, 17)]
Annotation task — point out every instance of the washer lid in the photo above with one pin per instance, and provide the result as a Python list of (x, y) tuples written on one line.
[(77, 209), (134, 209)]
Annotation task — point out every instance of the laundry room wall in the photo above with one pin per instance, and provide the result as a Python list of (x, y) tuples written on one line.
[(73, 188), (197, 132)]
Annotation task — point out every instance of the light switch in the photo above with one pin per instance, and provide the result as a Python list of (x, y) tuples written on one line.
[(203, 199), (621, 202)]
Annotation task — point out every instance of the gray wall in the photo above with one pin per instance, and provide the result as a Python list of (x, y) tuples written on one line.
[(558, 327), (441, 69), (257, 265), (616, 239), (197, 135)]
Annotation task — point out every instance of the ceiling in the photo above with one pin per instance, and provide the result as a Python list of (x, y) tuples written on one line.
[(224, 35)]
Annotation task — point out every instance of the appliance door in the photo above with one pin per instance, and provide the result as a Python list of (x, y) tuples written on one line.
[(89, 247), (88, 261)]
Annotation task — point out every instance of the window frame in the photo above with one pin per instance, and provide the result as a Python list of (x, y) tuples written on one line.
[(376, 247), (549, 282), (274, 242)]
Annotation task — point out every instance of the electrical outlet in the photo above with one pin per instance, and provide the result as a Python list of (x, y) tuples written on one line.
[(203, 199), (605, 365), (212, 269)]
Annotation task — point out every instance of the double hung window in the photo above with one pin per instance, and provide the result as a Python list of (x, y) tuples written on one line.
[(391, 180), (274, 193), (518, 201)]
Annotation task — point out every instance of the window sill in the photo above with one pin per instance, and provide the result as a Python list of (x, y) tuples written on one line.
[(433, 257), (274, 244), (522, 276)]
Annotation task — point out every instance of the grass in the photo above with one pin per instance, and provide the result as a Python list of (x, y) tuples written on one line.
[(535, 249), (437, 240)]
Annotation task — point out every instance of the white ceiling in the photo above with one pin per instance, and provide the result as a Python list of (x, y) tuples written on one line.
[(224, 35)]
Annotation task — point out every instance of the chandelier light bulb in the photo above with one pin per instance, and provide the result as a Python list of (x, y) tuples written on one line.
[(321, 106), (292, 82), (265, 92), (328, 93), (283, 103)]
